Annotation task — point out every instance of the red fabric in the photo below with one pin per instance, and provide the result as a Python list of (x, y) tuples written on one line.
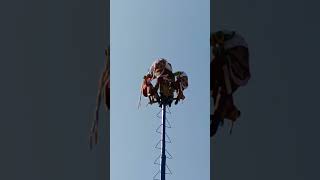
[(147, 87), (145, 90)]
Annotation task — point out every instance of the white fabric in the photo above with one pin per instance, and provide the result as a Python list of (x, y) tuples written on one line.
[(152, 68), (183, 74), (237, 40), (184, 86), (168, 66), (183, 83)]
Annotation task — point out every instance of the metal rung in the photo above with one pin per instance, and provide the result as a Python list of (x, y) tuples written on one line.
[(154, 177), (170, 156), (155, 161)]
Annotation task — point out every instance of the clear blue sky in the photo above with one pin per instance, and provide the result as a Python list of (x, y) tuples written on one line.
[(141, 31)]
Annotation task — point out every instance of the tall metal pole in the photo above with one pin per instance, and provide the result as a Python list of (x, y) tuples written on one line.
[(163, 144)]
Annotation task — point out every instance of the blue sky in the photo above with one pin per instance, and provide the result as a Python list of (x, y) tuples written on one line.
[(141, 31)]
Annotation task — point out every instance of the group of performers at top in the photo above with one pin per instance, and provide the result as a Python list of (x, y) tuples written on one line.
[(229, 70)]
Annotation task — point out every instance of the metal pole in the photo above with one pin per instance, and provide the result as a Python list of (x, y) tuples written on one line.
[(163, 144)]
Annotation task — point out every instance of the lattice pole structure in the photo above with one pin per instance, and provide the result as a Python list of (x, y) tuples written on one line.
[(164, 139), (163, 144)]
